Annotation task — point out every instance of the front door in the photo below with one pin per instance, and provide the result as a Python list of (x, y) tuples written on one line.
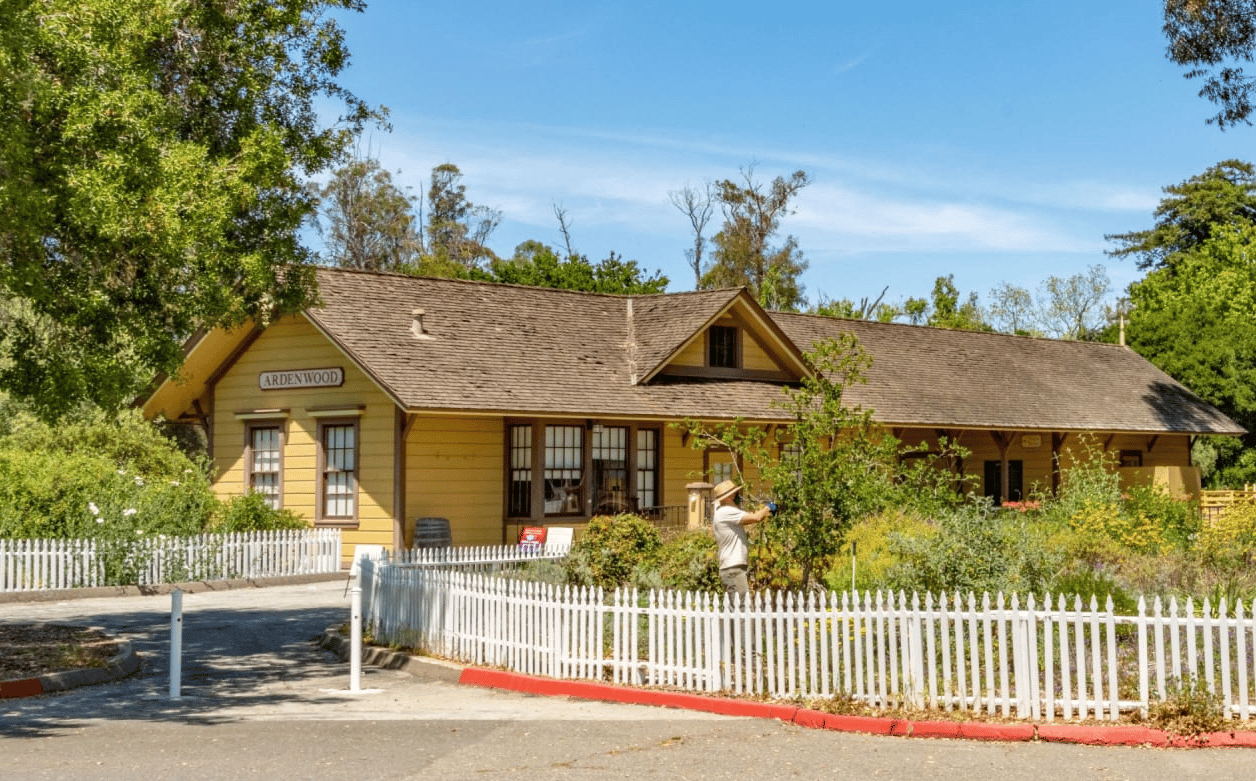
[(1015, 479)]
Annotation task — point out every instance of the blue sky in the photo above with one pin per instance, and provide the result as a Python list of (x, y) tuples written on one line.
[(996, 141)]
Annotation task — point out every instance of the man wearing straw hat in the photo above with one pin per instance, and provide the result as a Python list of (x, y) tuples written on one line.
[(729, 525)]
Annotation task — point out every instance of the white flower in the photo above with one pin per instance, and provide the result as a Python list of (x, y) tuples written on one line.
[(100, 520), (174, 482), (128, 512), (92, 506), (139, 480)]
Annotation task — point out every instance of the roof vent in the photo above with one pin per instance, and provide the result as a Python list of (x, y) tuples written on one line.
[(416, 327)]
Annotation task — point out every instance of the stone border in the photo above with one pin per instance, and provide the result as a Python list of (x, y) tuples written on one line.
[(124, 663)]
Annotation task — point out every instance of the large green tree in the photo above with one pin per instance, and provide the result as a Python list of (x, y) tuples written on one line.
[(743, 254), (1190, 212), (1197, 322), (152, 158), (1211, 38), (370, 221)]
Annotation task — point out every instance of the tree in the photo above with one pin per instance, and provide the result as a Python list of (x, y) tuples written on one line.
[(1012, 309), (1196, 321), (539, 265), (697, 206), (948, 312), (370, 221), (456, 228), (743, 255), (865, 310), (152, 159), (1072, 307), (1208, 37), (1191, 212)]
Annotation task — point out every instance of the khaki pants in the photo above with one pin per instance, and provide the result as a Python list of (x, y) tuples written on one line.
[(734, 579)]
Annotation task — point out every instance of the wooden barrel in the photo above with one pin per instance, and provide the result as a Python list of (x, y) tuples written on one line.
[(432, 533)]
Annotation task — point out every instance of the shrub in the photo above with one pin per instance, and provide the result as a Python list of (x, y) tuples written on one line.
[(876, 555), (1189, 710), (690, 562), (250, 513), (1177, 519), (611, 549), (1101, 586), (975, 549), (1230, 539)]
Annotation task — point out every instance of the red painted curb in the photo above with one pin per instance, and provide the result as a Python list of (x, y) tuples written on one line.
[(976, 730), (873, 725), (28, 687), (935, 729), (588, 690), (1101, 736)]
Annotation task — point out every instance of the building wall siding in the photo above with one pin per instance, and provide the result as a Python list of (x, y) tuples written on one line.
[(455, 470), (292, 343)]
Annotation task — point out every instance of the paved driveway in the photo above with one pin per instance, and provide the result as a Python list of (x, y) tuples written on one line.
[(260, 699)]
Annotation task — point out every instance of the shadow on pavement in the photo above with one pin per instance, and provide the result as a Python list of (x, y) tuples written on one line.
[(233, 660)]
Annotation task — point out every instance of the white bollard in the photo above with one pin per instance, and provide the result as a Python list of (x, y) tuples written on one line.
[(355, 641), (176, 642)]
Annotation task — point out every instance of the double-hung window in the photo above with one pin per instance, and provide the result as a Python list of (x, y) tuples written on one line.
[(264, 462), (338, 471)]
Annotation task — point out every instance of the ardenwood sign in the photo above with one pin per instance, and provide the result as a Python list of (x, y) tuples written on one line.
[(302, 378)]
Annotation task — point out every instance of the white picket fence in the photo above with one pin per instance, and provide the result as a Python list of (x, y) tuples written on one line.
[(36, 565), (1054, 660)]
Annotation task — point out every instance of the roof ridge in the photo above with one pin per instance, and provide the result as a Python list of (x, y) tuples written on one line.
[(480, 282), (934, 328)]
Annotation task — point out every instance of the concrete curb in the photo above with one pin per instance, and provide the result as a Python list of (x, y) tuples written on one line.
[(1122, 735), (191, 587), (438, 669), (125, 662)]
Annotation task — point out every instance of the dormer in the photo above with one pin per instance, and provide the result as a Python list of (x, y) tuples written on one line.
[(734, 341)]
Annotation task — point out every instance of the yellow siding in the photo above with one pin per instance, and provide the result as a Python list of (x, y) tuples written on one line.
[(693, 355), (454, 470), (292, 343), (754, 357)]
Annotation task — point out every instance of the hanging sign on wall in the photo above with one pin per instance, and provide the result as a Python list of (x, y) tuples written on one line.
[(302, 378)]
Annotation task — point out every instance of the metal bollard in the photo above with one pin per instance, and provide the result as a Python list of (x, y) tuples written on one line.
[(176, 643), (355, 641)]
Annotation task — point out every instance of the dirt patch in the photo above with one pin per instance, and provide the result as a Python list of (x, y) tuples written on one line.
[(28, 651)]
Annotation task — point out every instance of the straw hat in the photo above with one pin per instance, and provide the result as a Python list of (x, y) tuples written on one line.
[(726, 489)]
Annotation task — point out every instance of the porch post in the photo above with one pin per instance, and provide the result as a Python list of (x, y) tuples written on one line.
[(1057, 441), (699, 504)]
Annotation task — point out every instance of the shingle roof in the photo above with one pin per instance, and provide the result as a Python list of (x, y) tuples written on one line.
[(662, 323), (538, 351)]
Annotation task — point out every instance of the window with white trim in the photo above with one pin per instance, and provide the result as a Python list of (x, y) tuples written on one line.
[(264, 462), (338, 464)]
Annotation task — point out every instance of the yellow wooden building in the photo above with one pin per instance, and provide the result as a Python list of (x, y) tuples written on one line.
[(498, 406)]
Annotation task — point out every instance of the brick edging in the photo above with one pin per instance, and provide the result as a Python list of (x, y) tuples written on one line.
[(1122, 735), (125, 662)]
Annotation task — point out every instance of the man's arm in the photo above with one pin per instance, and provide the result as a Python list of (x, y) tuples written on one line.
[(757, 516)]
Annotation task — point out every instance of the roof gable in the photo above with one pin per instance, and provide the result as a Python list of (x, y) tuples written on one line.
[(683, 334)]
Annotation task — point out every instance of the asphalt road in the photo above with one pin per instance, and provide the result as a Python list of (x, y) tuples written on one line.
[(261, 700)]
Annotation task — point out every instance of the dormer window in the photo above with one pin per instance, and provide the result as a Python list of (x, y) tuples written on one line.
[(722, 347)]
